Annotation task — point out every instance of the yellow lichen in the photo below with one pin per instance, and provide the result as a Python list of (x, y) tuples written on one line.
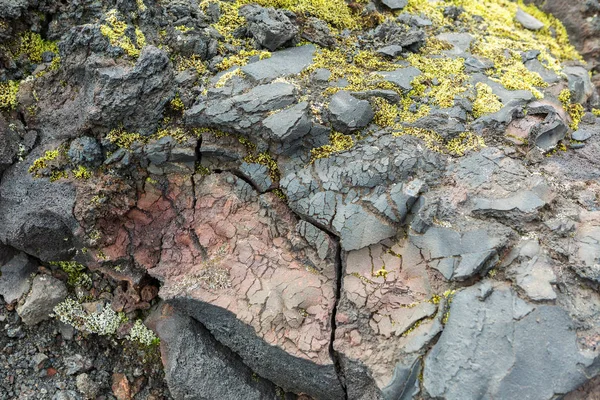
[(183, 28), (596, 112), (385, 113), (447, 74), (433, 141), (192, 62), (33, 46), (358, 68), (8, 95), (242, 58), (43, 162), (115, 31), (466, 141), (575, 110), (82, 173), (122, 138), (338, 142), (486, 101), (177, 104)]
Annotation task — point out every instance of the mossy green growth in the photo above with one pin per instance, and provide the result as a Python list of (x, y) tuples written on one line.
[(191, 62), (466, 141), (338, 142), (115, 31), (575, 110), (177, 104), (33, 46), (75, 272), (82, 173), (486, 102), (357, 67), (8, 95), (241, 58), (124, 139), (449, 73), (43, 162)]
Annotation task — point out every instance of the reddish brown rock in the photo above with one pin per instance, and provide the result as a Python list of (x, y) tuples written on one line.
[(234, 261), (120, 387)]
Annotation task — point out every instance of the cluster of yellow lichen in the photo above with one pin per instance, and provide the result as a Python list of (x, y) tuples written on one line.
[(575, 110), (448, 73), (33, 46), (357, 67), (8, 95), (43, 162), (338, 142), (485, 102), (115, 31)]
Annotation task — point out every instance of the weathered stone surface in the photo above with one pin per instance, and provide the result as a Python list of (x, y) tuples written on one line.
[(14, 277), (583, 134), (461, 42), (547, 134), (348, 113), (528, 20), (237, 264), (517, 363), (384, 316), (271, 28), (392, 50), (199, 367), (395, 4), (289, 124), (402, 77), (46, 292), (285, 62), (85, 151), (35, 214), (102, 102), (243, 112), (460, 255), (532, 269)]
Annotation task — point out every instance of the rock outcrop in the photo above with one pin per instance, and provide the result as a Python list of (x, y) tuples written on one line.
[(320, 200)]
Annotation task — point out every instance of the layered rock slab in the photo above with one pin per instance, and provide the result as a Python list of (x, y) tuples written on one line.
[(235, 261), (491, 347), (198, 367)]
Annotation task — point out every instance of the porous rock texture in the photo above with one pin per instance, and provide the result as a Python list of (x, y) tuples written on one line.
[(392, 200)]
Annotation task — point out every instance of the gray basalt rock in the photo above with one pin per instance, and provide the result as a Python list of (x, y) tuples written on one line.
[(395, 4), (402, 77), (199, 367), (36, 214), (46, 292), (547, 134), (270, 28), (243, 112), (14, 278), (492, 348), (460, 255), (281, 63), (85, 151), (528, 20), (289, 124), (349, 113)]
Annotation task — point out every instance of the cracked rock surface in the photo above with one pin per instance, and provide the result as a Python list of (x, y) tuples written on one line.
[(384, 200)]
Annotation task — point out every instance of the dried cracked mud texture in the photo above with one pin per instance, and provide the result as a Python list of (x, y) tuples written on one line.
[(234, 260)]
